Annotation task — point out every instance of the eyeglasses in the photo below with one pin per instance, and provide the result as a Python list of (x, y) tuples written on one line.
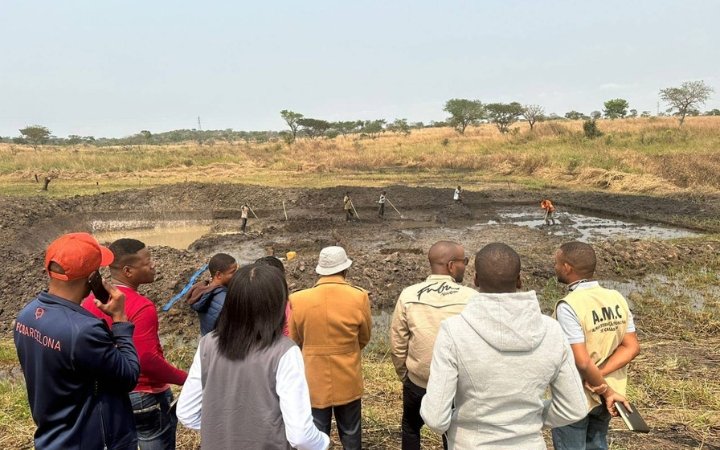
[(465, 260)]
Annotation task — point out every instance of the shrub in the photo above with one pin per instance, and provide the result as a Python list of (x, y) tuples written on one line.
[(591, 130)]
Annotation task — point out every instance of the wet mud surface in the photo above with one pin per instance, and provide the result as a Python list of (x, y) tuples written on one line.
[(389, 253)]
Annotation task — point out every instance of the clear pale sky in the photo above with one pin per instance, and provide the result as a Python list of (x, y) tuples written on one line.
[(112, 68)]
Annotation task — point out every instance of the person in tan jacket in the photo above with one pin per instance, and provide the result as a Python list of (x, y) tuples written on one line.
[(331, 323), (415, 324)]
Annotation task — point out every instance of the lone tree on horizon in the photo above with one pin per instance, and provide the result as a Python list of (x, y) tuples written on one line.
[(533, 114), (35, 135), (463, 113), (291, 118), (689, 96), (617, 107), (504, 114)]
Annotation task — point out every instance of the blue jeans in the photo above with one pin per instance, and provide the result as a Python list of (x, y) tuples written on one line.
[(589, 433), (154, 421)]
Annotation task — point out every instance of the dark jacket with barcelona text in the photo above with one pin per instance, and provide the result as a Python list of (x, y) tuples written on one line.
[(78, 375)]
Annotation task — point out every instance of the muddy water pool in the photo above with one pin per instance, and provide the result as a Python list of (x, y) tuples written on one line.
[(176, 233), (583, 227)]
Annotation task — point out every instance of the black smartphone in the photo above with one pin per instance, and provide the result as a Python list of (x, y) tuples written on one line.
[(97, 288)]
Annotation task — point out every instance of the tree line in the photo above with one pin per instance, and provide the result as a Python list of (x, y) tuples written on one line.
[(684, 100)]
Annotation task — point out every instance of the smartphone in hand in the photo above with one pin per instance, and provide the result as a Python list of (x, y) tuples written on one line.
[(97, 288)]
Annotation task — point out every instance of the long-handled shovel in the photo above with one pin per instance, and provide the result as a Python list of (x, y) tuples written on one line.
[(354, 210), (285, 210), (253, 212), (393, 207)]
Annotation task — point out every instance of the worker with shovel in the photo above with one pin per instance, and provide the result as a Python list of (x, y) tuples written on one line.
[(382, 201), (348, 207), (244, 210), (549, 208)]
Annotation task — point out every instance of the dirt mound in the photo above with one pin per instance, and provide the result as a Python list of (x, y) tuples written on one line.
[(633, 259)]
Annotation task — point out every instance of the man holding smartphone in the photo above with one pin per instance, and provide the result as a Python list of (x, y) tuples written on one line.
[(151, 399), (78, 373)]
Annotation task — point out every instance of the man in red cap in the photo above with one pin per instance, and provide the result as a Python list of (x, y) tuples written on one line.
[(78, 373), (151, 399)]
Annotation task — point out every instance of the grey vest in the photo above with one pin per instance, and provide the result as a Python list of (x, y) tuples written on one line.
[(240, 405)]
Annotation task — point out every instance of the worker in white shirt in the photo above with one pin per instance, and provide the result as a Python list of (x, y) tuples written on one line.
[(381, 209)]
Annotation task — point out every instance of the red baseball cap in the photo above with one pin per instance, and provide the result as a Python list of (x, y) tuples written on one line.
[(79, 255)]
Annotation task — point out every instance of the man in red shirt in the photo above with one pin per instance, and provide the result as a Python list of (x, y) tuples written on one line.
[(549, 211), (151, 398)]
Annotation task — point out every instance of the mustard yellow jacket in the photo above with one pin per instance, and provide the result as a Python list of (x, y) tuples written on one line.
[(331, 323)]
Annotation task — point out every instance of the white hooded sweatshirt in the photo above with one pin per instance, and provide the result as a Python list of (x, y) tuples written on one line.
[(495, 362)]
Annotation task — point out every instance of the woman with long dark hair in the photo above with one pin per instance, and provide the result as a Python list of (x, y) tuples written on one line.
[(246, 387)]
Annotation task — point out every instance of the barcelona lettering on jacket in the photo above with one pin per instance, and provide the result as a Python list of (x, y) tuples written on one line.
[(33, 333)]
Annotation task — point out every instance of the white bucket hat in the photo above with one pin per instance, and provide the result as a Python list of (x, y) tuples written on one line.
[(332, 260)]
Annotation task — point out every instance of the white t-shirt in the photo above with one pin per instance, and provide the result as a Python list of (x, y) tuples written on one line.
[(456, 196), (382, 199)]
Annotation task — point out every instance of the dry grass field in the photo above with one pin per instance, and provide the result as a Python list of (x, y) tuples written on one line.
[(650, 155)]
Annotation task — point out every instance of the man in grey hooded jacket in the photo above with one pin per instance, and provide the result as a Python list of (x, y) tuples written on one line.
[(492, 364)]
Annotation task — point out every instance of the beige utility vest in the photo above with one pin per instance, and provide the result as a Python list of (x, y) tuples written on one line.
[(603, 315)]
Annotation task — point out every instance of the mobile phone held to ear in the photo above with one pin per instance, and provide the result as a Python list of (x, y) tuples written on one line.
[(97, 288)]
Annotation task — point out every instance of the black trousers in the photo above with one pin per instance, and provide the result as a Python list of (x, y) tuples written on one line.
[(347, 418), (381, 211), (412, 422), (243, 224)]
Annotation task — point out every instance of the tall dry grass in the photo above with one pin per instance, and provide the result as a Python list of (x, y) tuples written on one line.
[(637, 154)]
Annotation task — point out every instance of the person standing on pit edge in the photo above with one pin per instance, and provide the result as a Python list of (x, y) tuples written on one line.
[(599, 326), (331, 323), (348, 207), (154, 419), (415, 324), (457, 195), (244, 210), (549, 208), (77, 371), (381, 209)]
